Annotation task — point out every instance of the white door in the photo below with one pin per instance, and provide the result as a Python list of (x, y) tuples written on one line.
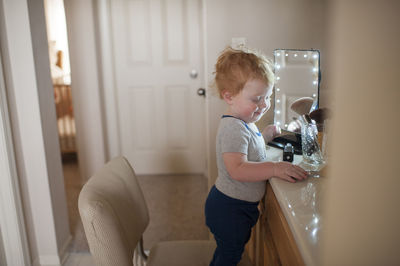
[(156, 46)]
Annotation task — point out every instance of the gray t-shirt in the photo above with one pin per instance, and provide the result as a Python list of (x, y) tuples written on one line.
[(234, 135)]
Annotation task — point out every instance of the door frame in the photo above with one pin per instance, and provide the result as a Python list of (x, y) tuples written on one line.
[(13, 238), (86, 86), (107, 77)]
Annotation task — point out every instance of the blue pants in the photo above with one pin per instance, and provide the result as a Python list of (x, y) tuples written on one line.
[(230, 220)]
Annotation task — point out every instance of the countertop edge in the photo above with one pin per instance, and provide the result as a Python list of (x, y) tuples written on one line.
[(296, 231)]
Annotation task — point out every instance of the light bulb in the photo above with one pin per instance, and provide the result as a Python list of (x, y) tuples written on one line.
[(286, 125), (278, 100), (278, 54), (278, 123), (305, 56), (295, 55), (315, 56), (314, 95), (278, 89), (315, 69), (278, 78), (278, 66), (278, 112), (315, 82), (286, 54), (314, 232)]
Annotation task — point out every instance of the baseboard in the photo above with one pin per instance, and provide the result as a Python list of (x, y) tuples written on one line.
[(64, 250), (54, 260)]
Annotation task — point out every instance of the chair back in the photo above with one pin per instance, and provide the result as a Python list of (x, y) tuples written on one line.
[(114, 213)]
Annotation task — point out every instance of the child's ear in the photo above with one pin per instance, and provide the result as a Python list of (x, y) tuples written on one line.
[(227, 96)]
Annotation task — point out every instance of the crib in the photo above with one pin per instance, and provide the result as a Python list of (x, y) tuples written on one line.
[(65, 118)]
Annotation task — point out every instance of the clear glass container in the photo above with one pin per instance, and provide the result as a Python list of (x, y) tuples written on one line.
[(312, 154)]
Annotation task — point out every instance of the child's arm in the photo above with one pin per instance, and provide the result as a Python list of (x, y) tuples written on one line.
[(242, 170)]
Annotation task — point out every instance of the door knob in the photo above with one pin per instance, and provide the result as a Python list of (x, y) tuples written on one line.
[(201, 92)]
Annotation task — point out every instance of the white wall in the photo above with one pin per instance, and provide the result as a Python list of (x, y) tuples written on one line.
[(267, 25), (30, 97), (361, 212)]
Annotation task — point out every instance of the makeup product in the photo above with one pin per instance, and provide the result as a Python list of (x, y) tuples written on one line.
[(288, 153), (319, 116), (302, 105)]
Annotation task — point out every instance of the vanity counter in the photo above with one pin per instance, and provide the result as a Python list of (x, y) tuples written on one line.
[(300, 204), (288, 231)]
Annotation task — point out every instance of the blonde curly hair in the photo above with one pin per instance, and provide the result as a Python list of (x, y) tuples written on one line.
[(235, 67)]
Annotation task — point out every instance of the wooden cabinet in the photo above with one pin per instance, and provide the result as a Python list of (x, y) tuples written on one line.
[(272, 242)]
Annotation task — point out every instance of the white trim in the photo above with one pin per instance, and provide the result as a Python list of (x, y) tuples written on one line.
[(103, 9), (11, 215), (206, 82)]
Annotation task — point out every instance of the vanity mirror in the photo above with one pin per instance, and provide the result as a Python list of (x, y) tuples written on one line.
[(296, 91)]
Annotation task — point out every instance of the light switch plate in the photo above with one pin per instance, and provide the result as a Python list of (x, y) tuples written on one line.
[(238, 42)]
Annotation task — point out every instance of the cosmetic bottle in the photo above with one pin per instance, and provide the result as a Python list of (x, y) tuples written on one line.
[(288, 153)]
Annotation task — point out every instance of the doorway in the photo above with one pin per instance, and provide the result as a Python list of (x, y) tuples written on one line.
[(61, 78)]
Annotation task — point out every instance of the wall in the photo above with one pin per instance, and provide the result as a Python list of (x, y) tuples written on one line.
[(267, 25), (361, 208)]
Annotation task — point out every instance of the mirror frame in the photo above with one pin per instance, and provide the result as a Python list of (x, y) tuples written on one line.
[(289, 136)]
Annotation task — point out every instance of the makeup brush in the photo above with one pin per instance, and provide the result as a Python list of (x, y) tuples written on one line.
[(302, 105), (320, 115)]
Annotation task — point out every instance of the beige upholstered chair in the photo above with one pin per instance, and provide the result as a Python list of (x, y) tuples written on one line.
[(115, 215)]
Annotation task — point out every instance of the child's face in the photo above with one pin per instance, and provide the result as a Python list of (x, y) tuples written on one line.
[(251, 102)]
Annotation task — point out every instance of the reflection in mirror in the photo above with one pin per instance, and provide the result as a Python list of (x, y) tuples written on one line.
[(297, 80)]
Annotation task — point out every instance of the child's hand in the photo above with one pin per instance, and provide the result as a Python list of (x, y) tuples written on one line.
[(270, 132), (289, 172)]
